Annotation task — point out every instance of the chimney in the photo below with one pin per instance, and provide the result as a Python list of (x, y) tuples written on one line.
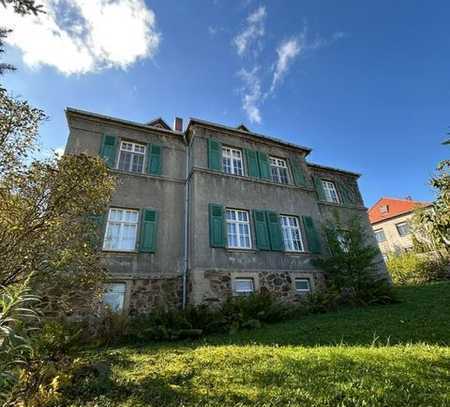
[(408, 198), (178, 124)]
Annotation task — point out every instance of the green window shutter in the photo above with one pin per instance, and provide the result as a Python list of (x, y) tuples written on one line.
[(275, 235), (154, 159), (98, 222), (319, 188), (298, 173), (312, 236), (217, 237), (108, 150), (261, 230), (252, 163), (344, 194), (149, 229), (214, 155), (263, 163)]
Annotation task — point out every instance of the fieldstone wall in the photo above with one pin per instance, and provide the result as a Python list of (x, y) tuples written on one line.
[(217, 285), (147, 294)]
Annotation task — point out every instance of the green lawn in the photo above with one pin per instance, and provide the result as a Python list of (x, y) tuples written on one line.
[(393, 355)]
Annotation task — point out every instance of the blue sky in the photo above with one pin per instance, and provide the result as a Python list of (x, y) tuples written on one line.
[(364, 84)]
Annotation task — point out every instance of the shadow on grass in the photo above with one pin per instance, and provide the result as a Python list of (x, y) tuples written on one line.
[(264, 376)]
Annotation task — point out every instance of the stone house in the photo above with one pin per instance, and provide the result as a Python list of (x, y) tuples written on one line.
[(390, 219), (210, 211)]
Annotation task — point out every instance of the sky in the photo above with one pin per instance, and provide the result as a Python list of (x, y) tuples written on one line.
[(366, 85)]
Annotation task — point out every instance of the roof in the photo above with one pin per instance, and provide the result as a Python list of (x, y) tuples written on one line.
[(395, 207), (71, 110), (193, 121), (159, 122), (324, 167)]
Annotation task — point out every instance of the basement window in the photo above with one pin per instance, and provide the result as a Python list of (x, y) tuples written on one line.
[(302, 285), (243, 286), (114, 296)]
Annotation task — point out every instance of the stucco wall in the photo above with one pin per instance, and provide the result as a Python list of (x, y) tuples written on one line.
[(394, 242), (144, 273)]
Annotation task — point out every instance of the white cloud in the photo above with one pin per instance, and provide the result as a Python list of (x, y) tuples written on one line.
[(59, 152), (252, 95), (253, 31), (80, 36), (287, 51)]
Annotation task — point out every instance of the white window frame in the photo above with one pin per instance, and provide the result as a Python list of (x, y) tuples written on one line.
[(234, 155), (302, 290), (278, 164), (330, 191), (238, 223), (137, 149), (289, 231), (384, 209), (342, 240), (402, 224), (377, 233), (115, 288), (237, 291), (121, 223)]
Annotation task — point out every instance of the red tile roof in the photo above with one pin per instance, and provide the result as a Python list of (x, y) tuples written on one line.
[(395, 207)]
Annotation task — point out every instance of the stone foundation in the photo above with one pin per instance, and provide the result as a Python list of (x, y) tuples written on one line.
[(213, 286), (145, 295)]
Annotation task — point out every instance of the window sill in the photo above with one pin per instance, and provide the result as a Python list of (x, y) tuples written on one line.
[(288, 253), (120, 251), (239, 250), (339, 205)]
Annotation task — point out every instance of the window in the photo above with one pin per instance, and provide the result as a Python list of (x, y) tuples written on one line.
[(379, 235), (131, 157), (278, 170), (243, 286), (292, 235), (330, 191), (121, 230), (402, 228), (302, 285), (238, 229), (384, 209), (232, 161), (343, 237), (114, 296)]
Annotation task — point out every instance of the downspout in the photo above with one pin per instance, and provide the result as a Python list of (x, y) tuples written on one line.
[(186, 223)]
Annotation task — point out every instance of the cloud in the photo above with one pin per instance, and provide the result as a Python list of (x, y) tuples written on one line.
[(252, 95), (81, 36), (253, 31), (287, 51)]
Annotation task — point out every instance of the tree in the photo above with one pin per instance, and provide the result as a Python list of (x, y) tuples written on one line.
[(48, 211), (431, 226), (351, 266)]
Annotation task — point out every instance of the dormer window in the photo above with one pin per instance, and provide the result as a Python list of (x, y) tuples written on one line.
[(384, 209)]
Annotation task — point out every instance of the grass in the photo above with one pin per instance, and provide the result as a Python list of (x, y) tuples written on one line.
[(393, 355)]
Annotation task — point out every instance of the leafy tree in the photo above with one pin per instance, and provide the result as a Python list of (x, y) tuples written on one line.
[(431, 226), (351, 266), (47, 211)]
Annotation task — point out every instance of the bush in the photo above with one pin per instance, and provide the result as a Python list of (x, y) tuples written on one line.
[(350, 269), (414, 268)]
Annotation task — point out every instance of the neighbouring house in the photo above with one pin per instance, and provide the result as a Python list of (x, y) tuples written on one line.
[(390, 219), (211, 211)]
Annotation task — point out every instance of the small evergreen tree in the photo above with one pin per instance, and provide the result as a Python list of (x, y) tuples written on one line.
[(351, 266)]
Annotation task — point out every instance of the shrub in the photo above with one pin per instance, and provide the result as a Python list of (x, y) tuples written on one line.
[(18, 318), (351, 266), (414, 268)]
